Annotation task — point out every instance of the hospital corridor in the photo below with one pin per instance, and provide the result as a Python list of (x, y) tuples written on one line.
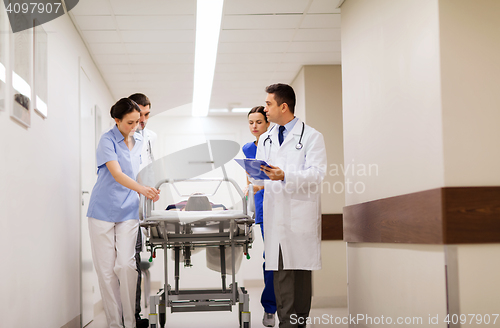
[(249, 163)]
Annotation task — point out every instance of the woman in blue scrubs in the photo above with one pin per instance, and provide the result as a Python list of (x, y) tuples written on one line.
[(258, 124), (114, 214)]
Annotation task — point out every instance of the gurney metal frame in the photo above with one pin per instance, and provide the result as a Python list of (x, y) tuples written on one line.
[(167, 235)]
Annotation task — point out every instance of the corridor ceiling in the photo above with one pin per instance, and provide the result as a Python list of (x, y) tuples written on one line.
[(148, 46)]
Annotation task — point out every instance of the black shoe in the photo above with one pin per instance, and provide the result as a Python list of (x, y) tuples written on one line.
[(142, 323)]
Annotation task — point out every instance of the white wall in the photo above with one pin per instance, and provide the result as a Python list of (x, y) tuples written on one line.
[(40, 195)]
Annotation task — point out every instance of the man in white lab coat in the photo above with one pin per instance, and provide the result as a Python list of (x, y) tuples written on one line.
[(147, 158), (292, 210)]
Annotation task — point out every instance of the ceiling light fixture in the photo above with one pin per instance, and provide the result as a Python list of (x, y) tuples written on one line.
[(208, 22)]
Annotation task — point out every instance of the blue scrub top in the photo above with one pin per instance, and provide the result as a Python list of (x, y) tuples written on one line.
[(250, 150), (110, 201)]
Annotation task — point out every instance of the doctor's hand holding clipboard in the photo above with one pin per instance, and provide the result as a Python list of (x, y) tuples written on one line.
[(273, 172)]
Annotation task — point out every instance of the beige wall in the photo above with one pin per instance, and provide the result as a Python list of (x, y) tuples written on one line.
[(40, 194), (323, 94), (420, 100), (299, 86), (392, 97), (470, 75), (319, 91)]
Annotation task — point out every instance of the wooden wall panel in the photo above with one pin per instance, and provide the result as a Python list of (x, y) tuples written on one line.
[(331, 227), (451, 215)]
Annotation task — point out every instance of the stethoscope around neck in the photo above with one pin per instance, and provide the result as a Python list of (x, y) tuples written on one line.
[(297, 146)]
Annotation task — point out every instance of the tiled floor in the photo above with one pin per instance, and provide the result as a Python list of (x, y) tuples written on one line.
[(230, 319)]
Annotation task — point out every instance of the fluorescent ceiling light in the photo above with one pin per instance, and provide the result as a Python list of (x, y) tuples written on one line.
[(219, 110), (208, 21), (21, 85), (240, 110)]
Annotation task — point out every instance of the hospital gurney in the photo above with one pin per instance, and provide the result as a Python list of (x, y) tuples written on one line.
[(198, 226)]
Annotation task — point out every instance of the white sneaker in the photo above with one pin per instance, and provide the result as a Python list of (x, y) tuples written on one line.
[(268, 319)]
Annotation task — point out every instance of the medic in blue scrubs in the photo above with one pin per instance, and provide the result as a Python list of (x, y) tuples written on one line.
[(114, 214), (258, 124)]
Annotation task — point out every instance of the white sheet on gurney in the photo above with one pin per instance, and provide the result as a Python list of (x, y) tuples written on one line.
[(194, 216)]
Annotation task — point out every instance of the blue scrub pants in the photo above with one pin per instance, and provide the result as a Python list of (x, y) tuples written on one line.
[(268, 300)]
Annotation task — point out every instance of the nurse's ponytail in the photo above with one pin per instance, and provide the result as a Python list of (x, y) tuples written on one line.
[(123, 107)]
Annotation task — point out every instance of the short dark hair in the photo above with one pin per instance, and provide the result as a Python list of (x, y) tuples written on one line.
[(258, 109), (123, 107), (283, 93), (140, 99)]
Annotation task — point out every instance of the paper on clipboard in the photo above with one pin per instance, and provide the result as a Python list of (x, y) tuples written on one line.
[(252, 166)]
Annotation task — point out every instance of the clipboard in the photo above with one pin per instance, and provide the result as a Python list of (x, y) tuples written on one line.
[(252, 166)]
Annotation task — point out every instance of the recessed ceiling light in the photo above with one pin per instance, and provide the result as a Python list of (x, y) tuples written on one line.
[(208, 21)]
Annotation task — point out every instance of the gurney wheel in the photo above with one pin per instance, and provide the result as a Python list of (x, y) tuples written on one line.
[(163, 319)]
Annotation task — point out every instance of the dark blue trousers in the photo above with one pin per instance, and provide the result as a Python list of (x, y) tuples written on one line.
[(268, 300)]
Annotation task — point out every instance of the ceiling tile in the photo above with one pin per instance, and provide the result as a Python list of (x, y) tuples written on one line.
[(95, 23), (250, 75), (163, 22), (115, 68), (264, 6), (153, 7), (256, 35), (241, 83), (160, 48), (249, 58), (320, 46), (158, 36), (317, 34), (260, 22), (92, 7), (101, 36), (115, 77), (170, 68), (321, 21), (324, 7), (112, 59), (245, 67), (252, 47), (107, 48), (162, 59), (316, 58)]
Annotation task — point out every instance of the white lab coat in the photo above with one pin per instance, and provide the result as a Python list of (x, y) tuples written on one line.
[(149, 138), (292, 208)]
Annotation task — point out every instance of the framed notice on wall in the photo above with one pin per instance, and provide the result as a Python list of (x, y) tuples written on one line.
[(22, 69)]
